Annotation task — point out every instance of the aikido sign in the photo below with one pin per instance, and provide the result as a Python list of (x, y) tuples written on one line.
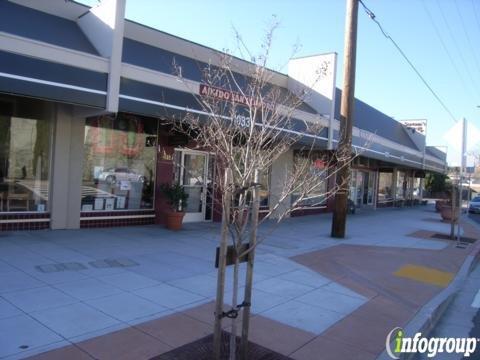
[(229, 96)]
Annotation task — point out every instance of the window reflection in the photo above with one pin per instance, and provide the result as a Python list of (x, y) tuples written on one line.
[(385, 190), (119, 163), (25, 146), (314, 183), (401, 185)]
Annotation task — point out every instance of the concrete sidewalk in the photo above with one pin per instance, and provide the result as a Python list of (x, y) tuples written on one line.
[(134, 293)]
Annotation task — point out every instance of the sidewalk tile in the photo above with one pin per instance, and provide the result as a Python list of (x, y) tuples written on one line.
[(22, 330), (362, 286), (367, 334), (176, 330), (74, 320), (382, 306), (69, 352), (128, 281), (340, 289), (204, 312), (306, 277), (124, 344), (262, 301), (7, 309), (126, 306), (284, 288), (39, 299), (330, 350), (88, 289), (331, 300), (168, 296), (303, 316), (276, 336), (17, 280), (204, 285)]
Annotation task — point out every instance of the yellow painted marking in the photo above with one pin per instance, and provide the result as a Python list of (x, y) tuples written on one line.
[(425, 274)]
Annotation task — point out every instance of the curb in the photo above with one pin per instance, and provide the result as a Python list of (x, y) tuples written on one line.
[(429, 315)]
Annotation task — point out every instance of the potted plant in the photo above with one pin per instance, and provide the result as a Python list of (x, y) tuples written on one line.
[(177, 199), (447, 213), (439, 204)]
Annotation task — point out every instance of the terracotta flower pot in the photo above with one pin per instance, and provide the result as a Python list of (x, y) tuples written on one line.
[(174, 220), (439, 204), (447, 214)]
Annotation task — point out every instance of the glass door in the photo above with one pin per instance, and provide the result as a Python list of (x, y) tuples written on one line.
[(195, 177), (368, 189), (359, 188), (366, 186)]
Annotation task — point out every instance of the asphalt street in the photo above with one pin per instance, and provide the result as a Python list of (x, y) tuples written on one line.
[(462, 317)]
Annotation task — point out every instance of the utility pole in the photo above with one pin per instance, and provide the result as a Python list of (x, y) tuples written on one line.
[(344, 149)]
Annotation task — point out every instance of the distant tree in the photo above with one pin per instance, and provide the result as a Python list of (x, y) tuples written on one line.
[(436, 183)]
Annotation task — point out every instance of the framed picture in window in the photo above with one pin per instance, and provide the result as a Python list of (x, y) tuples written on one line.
[(98, 204), (109, 203), (120, 202)]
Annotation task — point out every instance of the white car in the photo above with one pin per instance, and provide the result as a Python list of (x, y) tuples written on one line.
[(113, 175), (474, 206)]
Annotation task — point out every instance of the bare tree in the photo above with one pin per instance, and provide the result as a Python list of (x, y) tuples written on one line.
[(247, 123)]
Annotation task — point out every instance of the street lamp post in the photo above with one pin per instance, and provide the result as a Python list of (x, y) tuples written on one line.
[(462, 169)]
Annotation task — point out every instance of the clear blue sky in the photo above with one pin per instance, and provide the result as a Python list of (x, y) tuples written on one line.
[(384, 79)]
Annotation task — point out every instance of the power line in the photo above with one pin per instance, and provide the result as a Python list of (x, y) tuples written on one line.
[(475, 13), (467, 36), (459, 52), (450, 57), (387, 36)]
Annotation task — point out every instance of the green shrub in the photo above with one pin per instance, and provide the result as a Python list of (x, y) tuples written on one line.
[(176, 196)]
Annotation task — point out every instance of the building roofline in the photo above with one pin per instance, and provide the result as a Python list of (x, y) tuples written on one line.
[(313, 55), (244, 62)]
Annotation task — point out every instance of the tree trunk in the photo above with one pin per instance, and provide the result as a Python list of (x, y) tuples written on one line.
[(233, 328), (217, 334), (249, 274)]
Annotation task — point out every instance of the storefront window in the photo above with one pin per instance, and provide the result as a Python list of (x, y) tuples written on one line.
[(417, 188), (402, 185), (385, 187), (264, 180), (119, 163), (361, 188), (315, 186), (25, 147)]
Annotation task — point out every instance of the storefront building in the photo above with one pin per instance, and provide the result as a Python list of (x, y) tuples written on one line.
[(86, 104)]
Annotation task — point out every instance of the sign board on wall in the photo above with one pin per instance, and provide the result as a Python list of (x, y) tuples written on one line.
[(417, 125), (229, 96)]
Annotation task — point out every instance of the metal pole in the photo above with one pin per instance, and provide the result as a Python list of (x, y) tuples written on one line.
[(344, 150), (217, 334), (462, 168)]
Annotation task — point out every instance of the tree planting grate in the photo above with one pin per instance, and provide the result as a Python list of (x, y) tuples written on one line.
[(113, 263), (52, 268), (463, 239), (202, 349)]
